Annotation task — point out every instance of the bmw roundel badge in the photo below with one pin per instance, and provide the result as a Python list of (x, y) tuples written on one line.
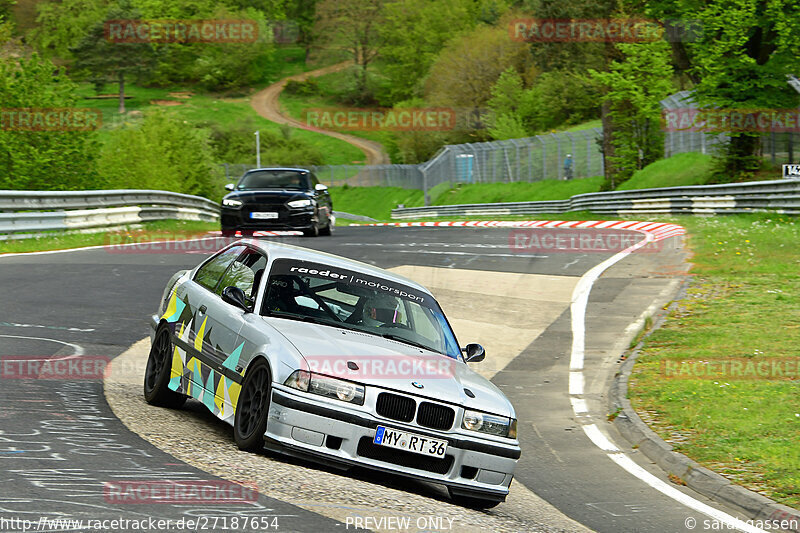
[(417, 384)]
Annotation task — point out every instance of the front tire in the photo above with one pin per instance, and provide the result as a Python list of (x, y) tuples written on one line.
[(157, 374), (313, 231), (250, 422)]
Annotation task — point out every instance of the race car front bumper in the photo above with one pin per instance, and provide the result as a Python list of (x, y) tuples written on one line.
[(302, 425)]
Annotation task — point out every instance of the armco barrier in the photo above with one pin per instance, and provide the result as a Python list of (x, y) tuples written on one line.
[(780, 196), (26, 213)]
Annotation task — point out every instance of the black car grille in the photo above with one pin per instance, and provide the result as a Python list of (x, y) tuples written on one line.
[(429, 415), (395, 407), (435, 416), (370, 450)]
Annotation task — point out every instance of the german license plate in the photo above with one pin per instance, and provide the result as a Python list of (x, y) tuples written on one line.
[(409, 442), (263, 214)]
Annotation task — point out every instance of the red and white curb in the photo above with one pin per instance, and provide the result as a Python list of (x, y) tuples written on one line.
[(261, 233), (654, 231)]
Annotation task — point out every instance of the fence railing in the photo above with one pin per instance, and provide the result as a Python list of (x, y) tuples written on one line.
[(564, 155), (26, 213), (781, 196)]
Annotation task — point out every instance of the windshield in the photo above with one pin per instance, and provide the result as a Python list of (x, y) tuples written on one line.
[(274, 179), (320, 293)]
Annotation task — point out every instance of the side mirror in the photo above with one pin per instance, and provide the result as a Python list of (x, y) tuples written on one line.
[(230, 187), (235, 296), (474, 352), (320, 187)]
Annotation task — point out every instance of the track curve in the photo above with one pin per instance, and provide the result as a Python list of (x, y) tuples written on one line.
[(98, 299)]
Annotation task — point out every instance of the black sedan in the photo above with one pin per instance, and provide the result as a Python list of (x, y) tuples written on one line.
[(277, 199)]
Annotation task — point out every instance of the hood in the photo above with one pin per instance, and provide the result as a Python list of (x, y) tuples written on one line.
[(391, 364)]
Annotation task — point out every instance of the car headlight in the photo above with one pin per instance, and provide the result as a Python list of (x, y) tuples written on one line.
[(299, 203), (490, 424), (338, 389), (229, 202)]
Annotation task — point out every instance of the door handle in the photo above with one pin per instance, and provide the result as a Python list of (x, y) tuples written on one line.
[(203, 309)]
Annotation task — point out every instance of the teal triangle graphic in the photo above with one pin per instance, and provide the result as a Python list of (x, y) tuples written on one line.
[(174, 383), (233, 358), (179, 305), (208, 395)]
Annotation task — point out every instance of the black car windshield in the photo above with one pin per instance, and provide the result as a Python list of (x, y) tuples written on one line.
[(274, 179), (315, 292)]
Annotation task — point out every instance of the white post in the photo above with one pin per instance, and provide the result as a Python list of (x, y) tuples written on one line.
[(258, 150)]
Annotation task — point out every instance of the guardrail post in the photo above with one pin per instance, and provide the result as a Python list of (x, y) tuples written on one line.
[(425, 187)]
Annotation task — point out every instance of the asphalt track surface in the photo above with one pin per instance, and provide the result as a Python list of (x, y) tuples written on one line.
[(59, 441)]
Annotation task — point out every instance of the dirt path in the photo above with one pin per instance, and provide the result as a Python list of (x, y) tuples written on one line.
[(266, 103)]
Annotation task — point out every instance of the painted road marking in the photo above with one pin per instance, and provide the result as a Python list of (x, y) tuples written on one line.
[(580, 299)]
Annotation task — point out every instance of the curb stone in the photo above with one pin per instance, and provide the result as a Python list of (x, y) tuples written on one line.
[(701, 479)]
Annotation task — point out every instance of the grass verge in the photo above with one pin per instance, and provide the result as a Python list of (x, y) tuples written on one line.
[(64, 240), (743, 305), (374, 202), (691, 168)]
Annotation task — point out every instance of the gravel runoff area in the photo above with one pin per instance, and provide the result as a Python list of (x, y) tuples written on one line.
[(195, 436)]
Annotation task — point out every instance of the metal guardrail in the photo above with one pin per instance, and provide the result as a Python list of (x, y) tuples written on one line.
[(780, 196), (32, 212)]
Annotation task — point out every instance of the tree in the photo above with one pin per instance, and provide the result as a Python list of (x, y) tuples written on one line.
[(578, 56), (468, 67), (5, 8), (352, 26), (413, 32), (47, 160), (508, 96), (634, 87), (739, 61), (62, 25), (303, 13), (162, 153), (102, 58)]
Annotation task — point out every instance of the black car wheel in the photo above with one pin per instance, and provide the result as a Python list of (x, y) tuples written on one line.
[(156, 376), (250, 421), (229, 232), (327, 230), (313, 231)]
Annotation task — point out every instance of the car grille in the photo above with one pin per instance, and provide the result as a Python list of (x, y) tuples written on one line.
[(370, 450), (395, 407), (435, 416)]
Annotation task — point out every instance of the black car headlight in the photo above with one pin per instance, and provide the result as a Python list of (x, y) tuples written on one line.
[(299, 203), (338, 389), (490, 424), (230, 202)]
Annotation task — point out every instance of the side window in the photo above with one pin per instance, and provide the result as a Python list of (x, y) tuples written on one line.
[(245, 273), (314, 180), (209, 274)]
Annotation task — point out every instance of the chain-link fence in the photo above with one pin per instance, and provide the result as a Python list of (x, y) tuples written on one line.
[(564, 155)]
